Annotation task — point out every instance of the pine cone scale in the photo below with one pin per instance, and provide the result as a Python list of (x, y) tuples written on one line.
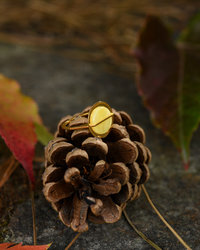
[(55, 191), (65, 213), (97, 171), (52, 174), (107, 187), (110, 211), (124, 195), (120, 171), (123, 150), (77, 158), (79, 215)]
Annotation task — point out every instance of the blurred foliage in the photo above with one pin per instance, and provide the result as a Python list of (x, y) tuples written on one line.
[(86, 29), (169, 80), (191, 34)]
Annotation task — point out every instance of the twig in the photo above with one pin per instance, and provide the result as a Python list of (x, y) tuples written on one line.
[(163, 219), (72, 242), (33, 215), (140, 233), (7, 169), (39, 159)]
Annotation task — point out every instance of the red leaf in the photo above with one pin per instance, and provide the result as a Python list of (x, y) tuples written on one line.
[(18, 113), (4, 245), (169, 83), (19, 246)]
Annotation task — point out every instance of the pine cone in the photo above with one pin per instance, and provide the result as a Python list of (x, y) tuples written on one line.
[(92, 178)]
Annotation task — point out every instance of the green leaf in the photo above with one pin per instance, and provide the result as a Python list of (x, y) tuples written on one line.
[(191, 33), (169, 82), (43, 135)]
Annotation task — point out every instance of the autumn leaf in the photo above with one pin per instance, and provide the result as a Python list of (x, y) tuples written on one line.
[(19, 246), (18, 116), (42, 134), (169, 83)]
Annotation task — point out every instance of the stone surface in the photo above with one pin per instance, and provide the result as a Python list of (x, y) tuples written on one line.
[(62, 86)]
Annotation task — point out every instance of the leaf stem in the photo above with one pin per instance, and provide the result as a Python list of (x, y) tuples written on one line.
[(33, 215), (163, 219), (72, 242), (182, 139), (140, 233), (7, 169)]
